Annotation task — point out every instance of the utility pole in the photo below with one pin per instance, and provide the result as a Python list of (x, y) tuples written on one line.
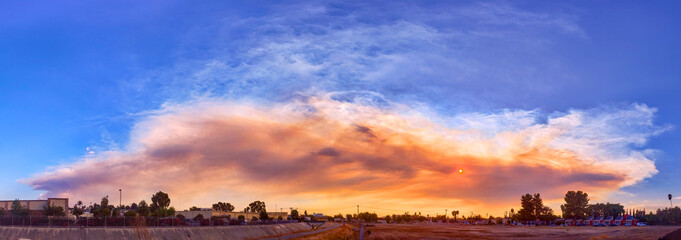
[(445, 215), (120, 198)]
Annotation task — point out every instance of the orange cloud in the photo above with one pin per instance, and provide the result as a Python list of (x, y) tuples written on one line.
[(322, 153)]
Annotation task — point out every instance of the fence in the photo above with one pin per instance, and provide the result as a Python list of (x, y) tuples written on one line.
[(44, 221)]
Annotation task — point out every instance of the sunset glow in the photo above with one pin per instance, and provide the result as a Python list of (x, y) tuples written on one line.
[(323, 106)]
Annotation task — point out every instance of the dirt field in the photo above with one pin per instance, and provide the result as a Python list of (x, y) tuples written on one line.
[(402, 231)]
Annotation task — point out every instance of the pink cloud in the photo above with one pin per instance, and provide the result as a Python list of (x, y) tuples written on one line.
[(324, 152)]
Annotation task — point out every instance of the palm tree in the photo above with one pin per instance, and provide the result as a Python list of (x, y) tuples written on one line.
[(454, 213), (670, 200)]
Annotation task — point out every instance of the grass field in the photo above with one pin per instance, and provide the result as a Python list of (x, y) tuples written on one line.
[(416, 231)]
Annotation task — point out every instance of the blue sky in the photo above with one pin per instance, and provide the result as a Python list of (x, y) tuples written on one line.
[(79, 76)]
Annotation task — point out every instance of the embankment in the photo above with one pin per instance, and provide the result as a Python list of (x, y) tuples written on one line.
[(161, 233)]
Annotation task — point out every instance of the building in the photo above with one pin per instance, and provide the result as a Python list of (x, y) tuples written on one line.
[(36, 207)]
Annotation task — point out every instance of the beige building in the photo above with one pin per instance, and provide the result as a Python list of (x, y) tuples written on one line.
[(36, 207), (248, 215)]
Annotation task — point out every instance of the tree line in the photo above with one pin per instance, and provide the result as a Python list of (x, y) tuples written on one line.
[(159, 207)]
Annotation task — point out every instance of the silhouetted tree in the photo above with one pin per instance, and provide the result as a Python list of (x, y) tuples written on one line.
[(78, 209), (263, 215), (575, 206), (104, 210), (223, 206), (143, 208), (257, 206)]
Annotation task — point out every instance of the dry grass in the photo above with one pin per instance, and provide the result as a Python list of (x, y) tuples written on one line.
[(423, 231), (340, 233)]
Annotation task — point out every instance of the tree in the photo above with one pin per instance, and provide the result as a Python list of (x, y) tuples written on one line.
[(170, 212), (538, 204), (387, 219), (18, 209), (294, 214), (2, 212), (78, 209), (368, 217), (52, 210), (198, 217), (257, 206), (575, 206), (143, 208), (194, 208), (223, 206), (526, 211), (241, 218), (263, 215), (161, 200), (533, 208), (133, 206), (455, 213), (130, 213), (607, 209), (254, 218), (159, 205), (102, 210)]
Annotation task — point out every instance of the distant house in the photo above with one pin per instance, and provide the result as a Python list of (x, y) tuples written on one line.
[(569, 222), (589, 221), (598, 221), (579, 222), (619, 221), (630, 221)]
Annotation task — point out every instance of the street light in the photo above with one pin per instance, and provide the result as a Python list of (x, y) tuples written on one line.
[(120, 198)]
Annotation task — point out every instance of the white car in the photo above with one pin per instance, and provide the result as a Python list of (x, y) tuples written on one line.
[(640, 224)]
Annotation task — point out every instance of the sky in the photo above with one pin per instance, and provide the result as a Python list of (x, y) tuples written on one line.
[(326, 105)]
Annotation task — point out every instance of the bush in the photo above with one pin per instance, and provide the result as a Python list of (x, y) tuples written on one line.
[(205, 222)]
